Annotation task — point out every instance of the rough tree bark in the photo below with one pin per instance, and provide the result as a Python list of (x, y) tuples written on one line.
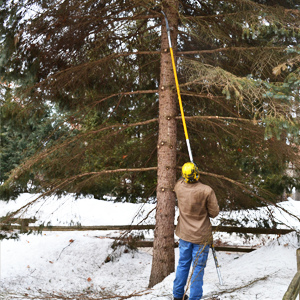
[(163, 262)]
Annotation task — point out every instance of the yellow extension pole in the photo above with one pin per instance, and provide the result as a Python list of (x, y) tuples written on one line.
[(178, 92), (185, 131)]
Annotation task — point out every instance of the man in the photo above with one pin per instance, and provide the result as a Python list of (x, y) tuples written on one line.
[(197, 202)]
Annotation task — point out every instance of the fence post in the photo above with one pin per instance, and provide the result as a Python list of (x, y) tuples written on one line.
[(298, 262)]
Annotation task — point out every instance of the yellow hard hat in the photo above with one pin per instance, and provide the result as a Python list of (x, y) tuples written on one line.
[(190, 172)]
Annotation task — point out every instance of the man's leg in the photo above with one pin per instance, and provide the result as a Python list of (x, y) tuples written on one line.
[(182, 271), (200, 254)]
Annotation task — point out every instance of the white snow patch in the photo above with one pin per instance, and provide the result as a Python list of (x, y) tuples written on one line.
[(73, 262)]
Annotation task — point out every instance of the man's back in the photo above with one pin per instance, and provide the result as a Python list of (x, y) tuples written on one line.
[(197, 202)]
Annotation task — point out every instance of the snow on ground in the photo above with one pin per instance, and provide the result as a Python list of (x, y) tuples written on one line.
[(73, 263), (67, 210)]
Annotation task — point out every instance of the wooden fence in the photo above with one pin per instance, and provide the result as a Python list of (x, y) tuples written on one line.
[(294, 287), (24, 227), (229, 229), (291, 293), (23, 223)]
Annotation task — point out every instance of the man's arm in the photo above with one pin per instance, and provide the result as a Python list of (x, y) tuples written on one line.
[(212, 204)]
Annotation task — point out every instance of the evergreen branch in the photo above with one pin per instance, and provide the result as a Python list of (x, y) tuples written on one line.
[(137, 17), (200, 51), (120, 126), (211, 97), (214, 117), (45, 153), (223, 128), (80, 67), (124, 126), (117, 55), (230, 49), (140, 53), (125, 94), (250, 4), (209, 16), (292, 11), (144, 219), (252, 8), (79, 176), (156, 120), (247, 93), (97, 102), (245, 188)]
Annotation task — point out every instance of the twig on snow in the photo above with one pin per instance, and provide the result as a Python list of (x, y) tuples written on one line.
[(85, 296), (71, 241), (238, 288)]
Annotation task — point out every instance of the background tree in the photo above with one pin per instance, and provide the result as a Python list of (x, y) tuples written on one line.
[(107, 64), (23, 133)]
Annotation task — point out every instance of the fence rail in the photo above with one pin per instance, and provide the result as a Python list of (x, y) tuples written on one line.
[(228, 229), (149, 244)]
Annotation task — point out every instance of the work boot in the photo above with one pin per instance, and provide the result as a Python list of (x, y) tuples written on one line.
[(186, 297)]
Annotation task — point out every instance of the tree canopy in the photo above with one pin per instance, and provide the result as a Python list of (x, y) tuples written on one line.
[(100, 60)]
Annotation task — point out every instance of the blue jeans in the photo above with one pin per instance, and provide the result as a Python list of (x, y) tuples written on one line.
[(189, 252)]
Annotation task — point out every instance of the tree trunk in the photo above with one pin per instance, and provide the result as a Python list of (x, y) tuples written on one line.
[(163, 262)]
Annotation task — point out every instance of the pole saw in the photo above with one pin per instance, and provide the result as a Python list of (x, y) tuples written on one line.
[(185, 129), (178, 91)]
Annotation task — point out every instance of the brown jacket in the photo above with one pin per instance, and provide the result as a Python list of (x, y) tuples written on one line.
[(197, 202)]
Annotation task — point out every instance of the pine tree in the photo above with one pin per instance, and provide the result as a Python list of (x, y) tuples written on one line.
[(107, 63)]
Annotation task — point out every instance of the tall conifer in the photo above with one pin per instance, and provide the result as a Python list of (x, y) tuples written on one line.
[(107, 64)]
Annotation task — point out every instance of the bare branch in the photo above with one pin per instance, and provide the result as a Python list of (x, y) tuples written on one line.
[(215, 117), (209, 96), (229, 49), (138, 17)]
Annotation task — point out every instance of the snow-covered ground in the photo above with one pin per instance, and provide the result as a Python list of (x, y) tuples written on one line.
[(61, 264)]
